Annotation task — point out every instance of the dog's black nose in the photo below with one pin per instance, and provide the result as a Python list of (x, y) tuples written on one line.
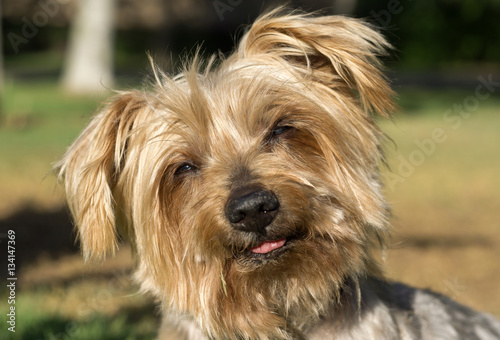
[(252, 209)]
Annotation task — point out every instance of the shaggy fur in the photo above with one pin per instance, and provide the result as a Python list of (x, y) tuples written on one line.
[(288, 120)]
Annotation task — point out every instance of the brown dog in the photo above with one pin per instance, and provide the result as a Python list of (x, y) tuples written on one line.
[(249, 189)]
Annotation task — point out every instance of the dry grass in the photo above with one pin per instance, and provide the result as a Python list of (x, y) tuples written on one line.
[(447, 211)]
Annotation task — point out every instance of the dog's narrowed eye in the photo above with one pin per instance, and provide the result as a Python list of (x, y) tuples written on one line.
[(185, 168), (282, 131)]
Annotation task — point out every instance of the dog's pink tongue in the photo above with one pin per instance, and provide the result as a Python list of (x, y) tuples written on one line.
[(268, 246)]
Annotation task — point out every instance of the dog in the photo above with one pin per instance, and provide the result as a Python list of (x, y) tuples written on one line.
[(248, 187)]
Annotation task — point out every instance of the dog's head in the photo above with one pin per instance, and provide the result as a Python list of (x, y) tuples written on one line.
[(248, 189)]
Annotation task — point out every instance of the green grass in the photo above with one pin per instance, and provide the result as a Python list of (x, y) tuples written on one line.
[(50, 327), (38, 324), (37, 124), (40, 118)]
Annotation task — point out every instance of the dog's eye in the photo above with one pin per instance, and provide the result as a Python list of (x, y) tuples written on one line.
[(282, 131), (185, 168)]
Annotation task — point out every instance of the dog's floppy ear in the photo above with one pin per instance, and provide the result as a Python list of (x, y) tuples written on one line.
[(337, 51), (89, 170)]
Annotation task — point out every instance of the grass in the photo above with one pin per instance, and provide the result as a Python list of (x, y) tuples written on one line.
[(39, 321), (38, 122), (445, 204), (445, 198)]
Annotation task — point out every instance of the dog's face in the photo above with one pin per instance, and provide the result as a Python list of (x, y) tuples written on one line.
[(249, 191)]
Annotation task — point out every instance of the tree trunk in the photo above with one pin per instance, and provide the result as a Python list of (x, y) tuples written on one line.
[(88, 67)]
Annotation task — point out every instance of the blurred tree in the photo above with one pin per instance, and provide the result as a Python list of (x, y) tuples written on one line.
[(89, 55), (439, 33)]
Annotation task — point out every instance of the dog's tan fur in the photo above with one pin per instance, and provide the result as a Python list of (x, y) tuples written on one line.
[(291, 111)]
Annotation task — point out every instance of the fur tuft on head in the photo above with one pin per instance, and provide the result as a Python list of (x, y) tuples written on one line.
[(340, 52)]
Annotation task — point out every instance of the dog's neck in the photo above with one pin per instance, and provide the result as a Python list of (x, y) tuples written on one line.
[(361, 314)]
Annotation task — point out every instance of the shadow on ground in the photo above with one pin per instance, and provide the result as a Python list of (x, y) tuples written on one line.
[(424, 242), (38, 234)]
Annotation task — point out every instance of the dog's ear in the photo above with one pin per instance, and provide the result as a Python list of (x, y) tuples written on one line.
[(339, 52), (89, 170)]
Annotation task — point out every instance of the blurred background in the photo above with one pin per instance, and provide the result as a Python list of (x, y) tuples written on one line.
[(61, 58)]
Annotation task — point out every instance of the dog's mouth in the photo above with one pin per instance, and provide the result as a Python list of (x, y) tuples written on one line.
[(267, 250), (267, 247)]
